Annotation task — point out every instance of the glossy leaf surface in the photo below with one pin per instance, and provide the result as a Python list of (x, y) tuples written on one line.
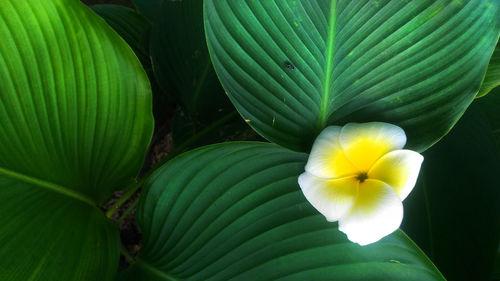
[(75, 122), (235, 211), (294, 67), (453, 213)]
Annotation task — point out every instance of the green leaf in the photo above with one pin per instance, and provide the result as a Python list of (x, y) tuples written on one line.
[(235, 211), (47, 236), (295, 67), (183, 68), (453, 213), (135, 30), (75, 123), (181, 60), (75, 102), (492, 77)]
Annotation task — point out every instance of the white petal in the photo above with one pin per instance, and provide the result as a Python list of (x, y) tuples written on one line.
[(327, 160), (377, 212), (332, 198), (398, 169), (365, 143)]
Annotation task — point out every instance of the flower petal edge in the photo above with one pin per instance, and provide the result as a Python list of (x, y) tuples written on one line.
[(332, 198)]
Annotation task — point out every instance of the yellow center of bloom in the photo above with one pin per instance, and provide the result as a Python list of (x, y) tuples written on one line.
[(369, 155), (362, 177)]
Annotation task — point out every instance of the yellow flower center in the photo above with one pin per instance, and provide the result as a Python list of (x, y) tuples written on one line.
[(362, 177)]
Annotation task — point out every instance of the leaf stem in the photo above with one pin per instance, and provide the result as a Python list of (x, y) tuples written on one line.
[(124, 198), (129, 209), (128, 257)]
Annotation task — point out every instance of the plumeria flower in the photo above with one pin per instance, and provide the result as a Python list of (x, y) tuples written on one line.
[(359, 175)]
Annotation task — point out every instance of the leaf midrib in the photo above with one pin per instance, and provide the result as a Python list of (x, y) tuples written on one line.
[(48, 185), (327, 79)]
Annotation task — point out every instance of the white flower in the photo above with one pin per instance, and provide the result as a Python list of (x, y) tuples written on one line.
[(359, 175)]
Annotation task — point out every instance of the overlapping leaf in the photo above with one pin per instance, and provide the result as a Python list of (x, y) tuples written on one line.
[(294, 67), (183, 68), (135, 29), (75, 122), (131, 26), (235, 211), (180, 56), (492, 77)]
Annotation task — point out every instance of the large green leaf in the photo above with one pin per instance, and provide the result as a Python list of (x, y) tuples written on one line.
[(492, 77), (294, 67), (75, 122), (453, 213), (235, 211)]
